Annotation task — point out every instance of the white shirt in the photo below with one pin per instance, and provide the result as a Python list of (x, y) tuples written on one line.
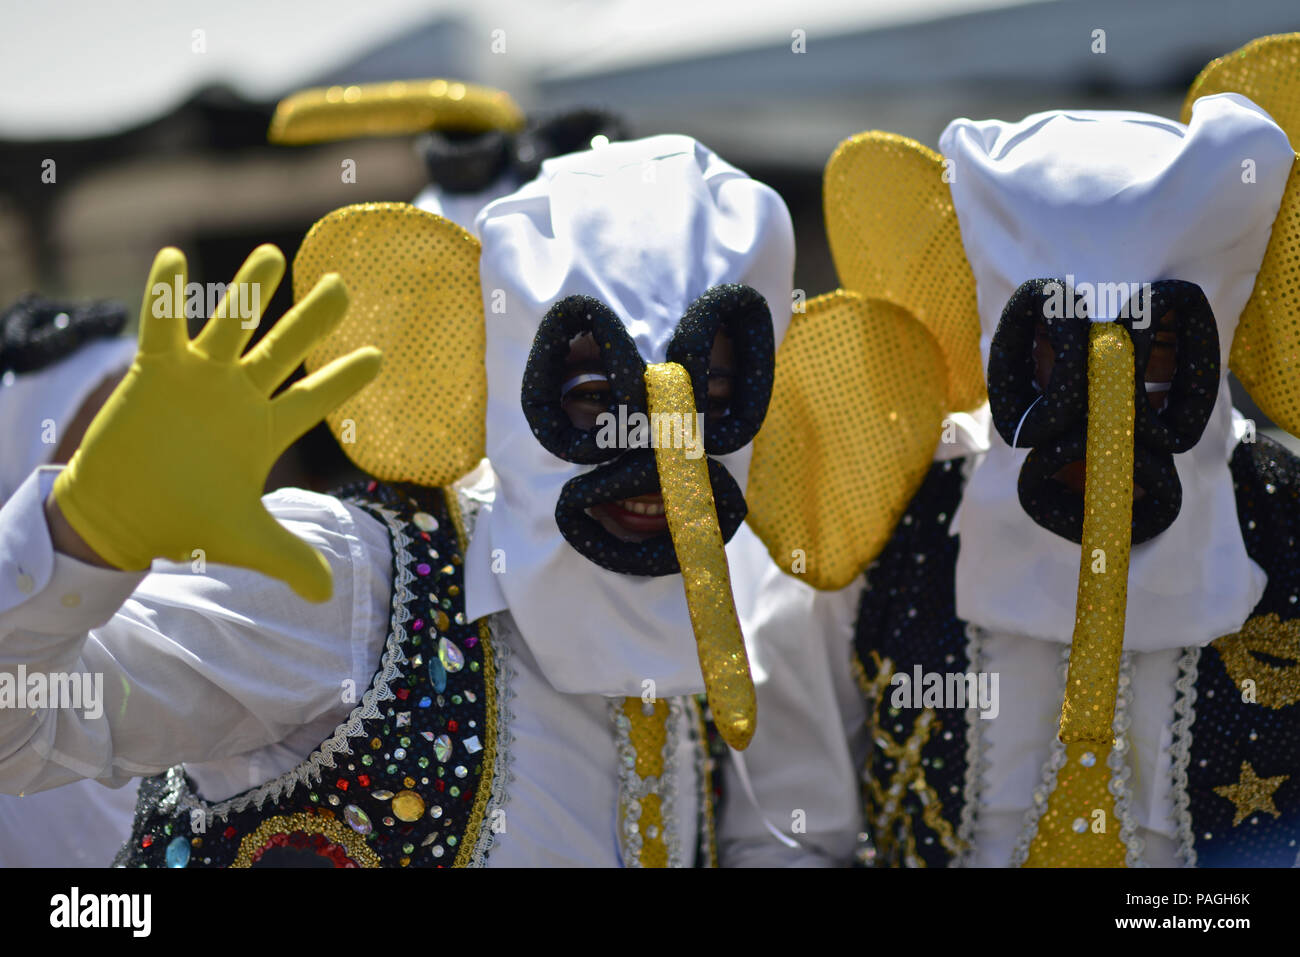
[(231, 673), (81, 824)]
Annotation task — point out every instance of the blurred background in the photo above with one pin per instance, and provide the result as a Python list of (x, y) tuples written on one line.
[(155, 112)]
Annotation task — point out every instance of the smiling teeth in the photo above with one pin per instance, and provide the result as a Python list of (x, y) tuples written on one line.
[(642, 508)]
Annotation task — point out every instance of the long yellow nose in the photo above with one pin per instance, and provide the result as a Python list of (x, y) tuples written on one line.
[(697, 540), (1079, 827)]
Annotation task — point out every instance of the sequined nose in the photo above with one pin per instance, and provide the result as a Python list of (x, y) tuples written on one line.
[(697, 540)]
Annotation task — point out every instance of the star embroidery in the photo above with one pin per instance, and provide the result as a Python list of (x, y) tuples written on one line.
[(1251, 793)]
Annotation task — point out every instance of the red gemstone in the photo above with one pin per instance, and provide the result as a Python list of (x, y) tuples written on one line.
[(228, 833), (363, 780), (425, 536), (452, 725), (371, 486), (403, 693), (341, 784), (146, 840), (442, 785)]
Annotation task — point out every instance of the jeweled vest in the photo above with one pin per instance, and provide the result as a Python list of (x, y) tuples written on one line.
[(414, 777), (410, 779), (1236, 719)]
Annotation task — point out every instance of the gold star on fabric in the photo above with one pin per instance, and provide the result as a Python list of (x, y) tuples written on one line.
[(1251, 793)]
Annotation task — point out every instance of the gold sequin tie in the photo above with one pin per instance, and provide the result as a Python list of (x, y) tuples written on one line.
[(1079, 827)]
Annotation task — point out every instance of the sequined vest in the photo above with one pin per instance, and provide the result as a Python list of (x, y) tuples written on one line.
[(410, 779), (1236, 719)]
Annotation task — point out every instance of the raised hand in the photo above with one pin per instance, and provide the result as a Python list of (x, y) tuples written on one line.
[(177, 458)]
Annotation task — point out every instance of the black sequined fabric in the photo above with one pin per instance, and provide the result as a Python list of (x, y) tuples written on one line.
[(1228, 729), (1052, 422), (742, 314), (546, 370), (408, 794), (907, 619), (627, 472), (36, 332)]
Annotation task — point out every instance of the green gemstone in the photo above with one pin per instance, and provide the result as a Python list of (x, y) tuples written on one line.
[(314, 797), (392, 769), (473, 666), (167, 829), (366, 759), (406, 742), (423, 762), (451, 839), (408, 848), (455, 699), (455, 792)]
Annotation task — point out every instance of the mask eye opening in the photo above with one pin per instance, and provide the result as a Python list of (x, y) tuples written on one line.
[(741, 313), (548, 374), (1037, 391), (1193, 386)]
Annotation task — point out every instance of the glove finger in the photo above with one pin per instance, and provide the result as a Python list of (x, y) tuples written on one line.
[(235, 319), (162, 313), (306, 402), (281, 350), (268, 547)]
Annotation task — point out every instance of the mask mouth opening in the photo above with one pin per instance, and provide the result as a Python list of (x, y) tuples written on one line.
[(1050, 489), (635, 477)]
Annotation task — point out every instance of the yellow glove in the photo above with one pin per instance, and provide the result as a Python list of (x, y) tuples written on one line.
[(177, 457)]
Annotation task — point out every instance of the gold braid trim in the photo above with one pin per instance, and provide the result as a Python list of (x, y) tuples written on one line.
[(340, 834)]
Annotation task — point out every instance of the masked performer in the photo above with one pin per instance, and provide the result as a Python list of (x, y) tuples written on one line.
[(58, 363), (1076, 640), (506, 664), (475, 142)]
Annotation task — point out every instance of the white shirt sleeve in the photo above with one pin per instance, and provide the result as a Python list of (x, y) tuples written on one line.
[(803, 763), (193, 665)]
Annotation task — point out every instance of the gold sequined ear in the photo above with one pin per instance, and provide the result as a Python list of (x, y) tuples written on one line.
[(391, 109), (855, 416), (1266, 348), (413, 285), (893, 234)]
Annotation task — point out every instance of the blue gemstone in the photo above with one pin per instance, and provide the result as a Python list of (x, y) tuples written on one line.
[(438, 675), (178, 852), (426, 701)]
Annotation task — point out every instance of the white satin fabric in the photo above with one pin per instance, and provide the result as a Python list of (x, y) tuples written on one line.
[(82, 824), (54, 393), (646, 226), (463, 208), (1116, 197)]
